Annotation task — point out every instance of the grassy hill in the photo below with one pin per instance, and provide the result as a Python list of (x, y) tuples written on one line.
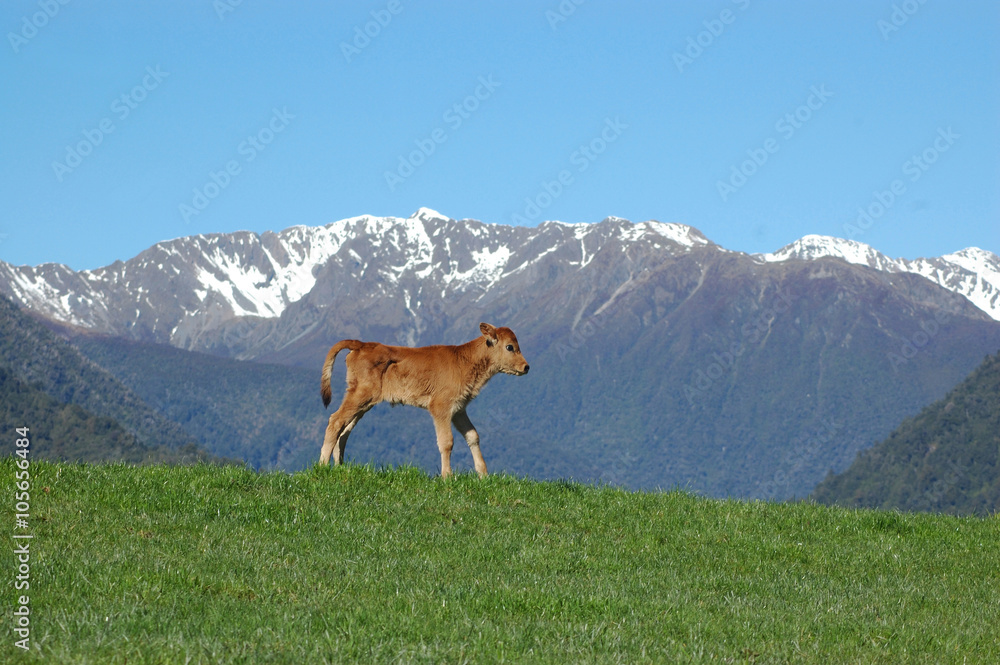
[(209, 564), (945, 459)]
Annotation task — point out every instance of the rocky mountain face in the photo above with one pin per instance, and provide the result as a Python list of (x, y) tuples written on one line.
[(658, 358)]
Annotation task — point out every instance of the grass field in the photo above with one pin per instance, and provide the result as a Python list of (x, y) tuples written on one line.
[(206, 564)]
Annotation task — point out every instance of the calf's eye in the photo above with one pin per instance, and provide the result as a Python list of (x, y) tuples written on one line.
[(510, 347)]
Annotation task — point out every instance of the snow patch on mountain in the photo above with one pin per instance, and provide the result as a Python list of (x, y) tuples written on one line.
[(812, 247), (488, 267), (683, 235), (44, 289), (983, 263), (972, 272), (258, 280)]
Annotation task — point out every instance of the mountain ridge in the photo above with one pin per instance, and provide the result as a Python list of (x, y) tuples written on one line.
[(971, 272), (258, 276), (243, 275)]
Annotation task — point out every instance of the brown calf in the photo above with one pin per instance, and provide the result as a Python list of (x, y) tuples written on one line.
[(441, 379)]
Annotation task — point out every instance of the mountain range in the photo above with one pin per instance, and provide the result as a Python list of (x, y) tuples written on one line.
[(200, 292), (658, 357)]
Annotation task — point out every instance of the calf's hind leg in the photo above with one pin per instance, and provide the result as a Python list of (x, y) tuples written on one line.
[(442, 427), (339, 428)]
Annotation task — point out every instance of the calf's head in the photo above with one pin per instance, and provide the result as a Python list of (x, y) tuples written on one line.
[(504, 350)]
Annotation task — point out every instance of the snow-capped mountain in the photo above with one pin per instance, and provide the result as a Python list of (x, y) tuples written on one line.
[(245, 293), (972, 272), (177, 290)]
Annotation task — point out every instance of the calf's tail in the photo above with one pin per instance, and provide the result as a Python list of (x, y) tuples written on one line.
[(324, 383)]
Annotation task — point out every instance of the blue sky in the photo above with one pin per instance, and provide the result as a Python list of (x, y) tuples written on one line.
[(127, 123)]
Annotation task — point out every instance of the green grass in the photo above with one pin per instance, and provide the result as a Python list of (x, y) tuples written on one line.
[(219, 564)]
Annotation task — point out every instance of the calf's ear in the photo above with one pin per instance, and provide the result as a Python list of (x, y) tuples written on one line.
[(489, 332)]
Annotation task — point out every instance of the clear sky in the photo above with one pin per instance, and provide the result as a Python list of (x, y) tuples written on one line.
[(124, 123)]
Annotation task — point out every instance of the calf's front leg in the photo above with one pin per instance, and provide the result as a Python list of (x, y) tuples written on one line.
[(468, 431)]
